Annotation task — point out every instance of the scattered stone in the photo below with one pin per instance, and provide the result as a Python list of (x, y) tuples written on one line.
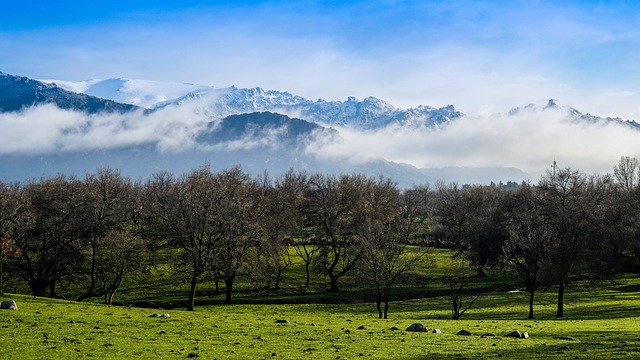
[(569, 338), (486, 335), (394, 328), (283, 321), (437, 331), (362, 327), (525, 335), (416, 327), (9, 304), (160, 315), (514, 334), (313, 324), (463, 333)]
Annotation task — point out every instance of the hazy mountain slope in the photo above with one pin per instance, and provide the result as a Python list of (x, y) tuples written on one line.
[(368, 114), (20, 92)]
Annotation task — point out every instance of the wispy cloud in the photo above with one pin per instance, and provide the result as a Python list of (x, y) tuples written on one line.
[(529, 141), (47, 128)]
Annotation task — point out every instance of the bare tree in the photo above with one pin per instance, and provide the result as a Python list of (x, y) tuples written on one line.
[(461, 298), (569, 200), (469, 219), (282, 223), (330, 212), (527, 247), (239, 213), (387, 221), (9, 209), (48, 233), (627, 173), (109, 208), (307, 249), (184, 211), (623, 219), (123, 255)]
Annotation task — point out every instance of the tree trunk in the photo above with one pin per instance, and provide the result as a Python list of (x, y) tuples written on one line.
[(455, 308), (53, 293), (560, 312), (386, 307), (38, 287), (333, 283), (531, 287), (278, 276), (110, 298), (379, 307), (90, 292), (229, 290), (192, 293), (306, 268), (531, 293)]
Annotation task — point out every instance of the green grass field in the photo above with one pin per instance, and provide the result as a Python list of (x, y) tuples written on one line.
[(605, 321)]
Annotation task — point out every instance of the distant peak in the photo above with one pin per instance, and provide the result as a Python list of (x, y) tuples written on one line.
[(552, 104)]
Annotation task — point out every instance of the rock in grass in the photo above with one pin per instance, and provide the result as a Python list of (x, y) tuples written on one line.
[(362, 327), (514, 334), (525, 335), (160, 315), (463, 333), (9, 304), (283, 321), (394, 328), (437, 331), (416, 327), (486, 335)]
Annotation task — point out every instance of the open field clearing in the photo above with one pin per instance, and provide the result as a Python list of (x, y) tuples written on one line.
[(603, 322)]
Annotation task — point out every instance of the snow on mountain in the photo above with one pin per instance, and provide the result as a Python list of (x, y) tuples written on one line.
[(144, 93), (571, 114), (18, 92), (368, 114)]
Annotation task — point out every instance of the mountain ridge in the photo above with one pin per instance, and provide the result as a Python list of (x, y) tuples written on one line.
[(20, 92), (368, 114)]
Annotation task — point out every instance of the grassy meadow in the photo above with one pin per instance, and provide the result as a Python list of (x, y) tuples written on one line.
[(604, 321)]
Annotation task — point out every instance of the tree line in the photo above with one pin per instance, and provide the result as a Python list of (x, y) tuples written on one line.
[(91, 233)]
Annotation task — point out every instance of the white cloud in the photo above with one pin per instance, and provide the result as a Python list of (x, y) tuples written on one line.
[(47, 128), (529, 141)]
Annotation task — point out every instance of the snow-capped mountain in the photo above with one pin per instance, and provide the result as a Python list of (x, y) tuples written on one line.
[(368, 114), (17, 92), (144, 93), (570, 113), (176, 127)]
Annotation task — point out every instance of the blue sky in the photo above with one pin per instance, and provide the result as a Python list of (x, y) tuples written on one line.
[(481, 56)]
